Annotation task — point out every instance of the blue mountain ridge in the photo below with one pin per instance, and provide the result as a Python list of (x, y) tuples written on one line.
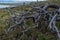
[(6, 0)]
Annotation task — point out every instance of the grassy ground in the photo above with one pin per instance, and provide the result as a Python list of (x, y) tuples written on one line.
[(43, 33)]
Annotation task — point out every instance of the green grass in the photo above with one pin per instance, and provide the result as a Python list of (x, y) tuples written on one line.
[(58, 24), (43, 34)]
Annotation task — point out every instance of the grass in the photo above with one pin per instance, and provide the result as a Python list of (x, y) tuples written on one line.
[(58, 24), (43, 33)]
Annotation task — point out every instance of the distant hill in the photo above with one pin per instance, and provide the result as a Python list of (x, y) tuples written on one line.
[(14, 3)]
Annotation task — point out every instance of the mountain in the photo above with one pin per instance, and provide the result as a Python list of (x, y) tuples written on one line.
[(12, 4), (6, 0)]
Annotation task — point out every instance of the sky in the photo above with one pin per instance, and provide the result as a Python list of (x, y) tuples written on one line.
[(16, 0), (4, 6)]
